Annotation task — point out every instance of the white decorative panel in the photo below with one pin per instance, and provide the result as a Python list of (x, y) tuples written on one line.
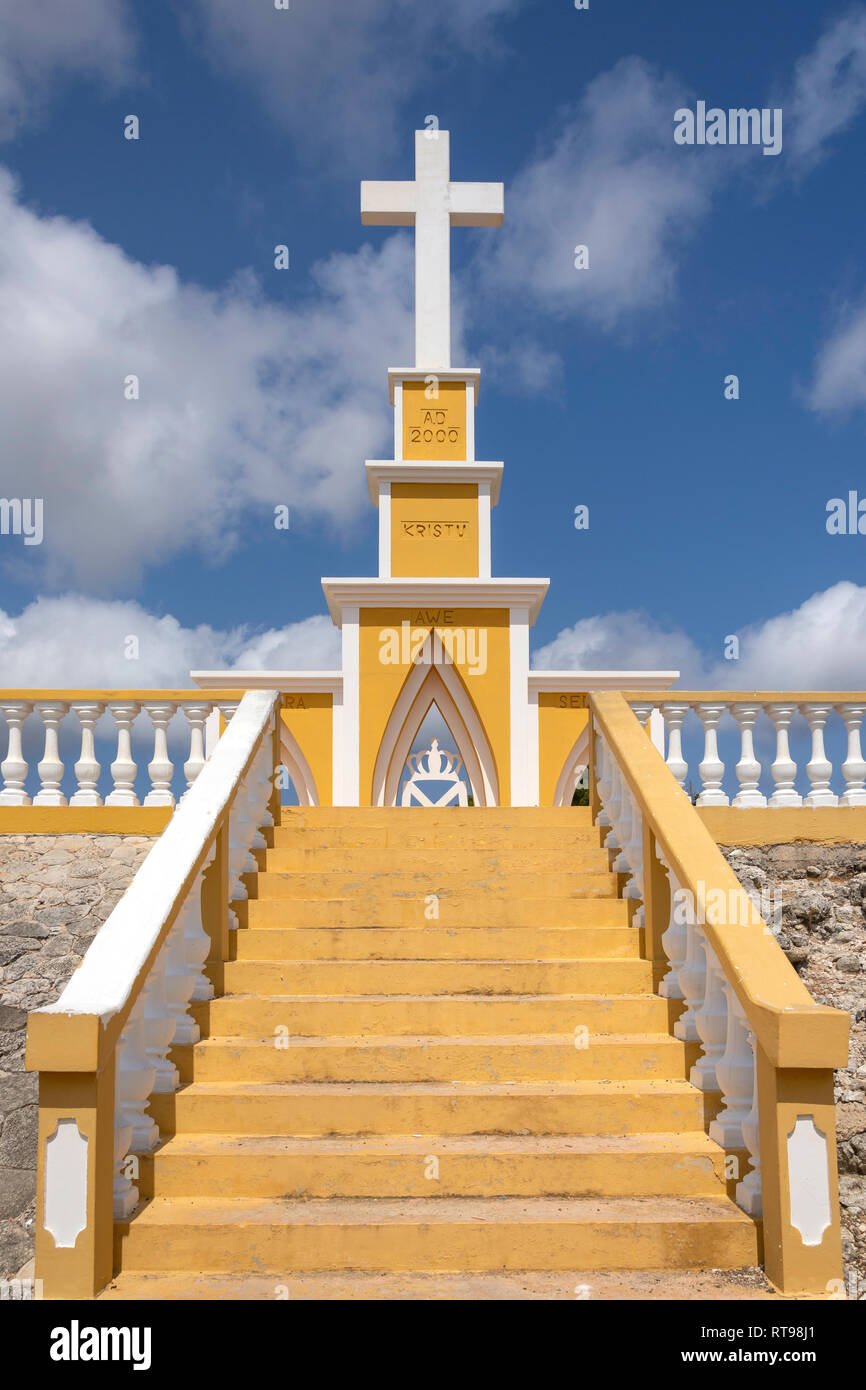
[(809, 1180), (66, 1184)]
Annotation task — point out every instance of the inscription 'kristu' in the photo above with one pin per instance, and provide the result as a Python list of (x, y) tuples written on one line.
[(419, 646), (436, 529)]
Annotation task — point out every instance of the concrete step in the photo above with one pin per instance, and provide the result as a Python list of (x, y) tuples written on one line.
[(263, 1167), (312, 1108), (426, 879), (447, 1234), (438, 977), (475, 1060), (432, 942), (259, 1017), (437, 839), (599, 1286), (427, 818), (420, 909), (481, 860)]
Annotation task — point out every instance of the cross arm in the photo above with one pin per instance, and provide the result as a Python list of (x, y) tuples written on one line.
[(388, 204), (477, 204)]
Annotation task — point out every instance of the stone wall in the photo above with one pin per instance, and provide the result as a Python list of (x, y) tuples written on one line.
[(821, 893), (55, 893)]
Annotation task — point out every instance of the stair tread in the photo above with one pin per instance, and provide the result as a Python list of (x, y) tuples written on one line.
[(479, 1040), (600, 1285), (651, 1086), (691, 1142), (366, 1211), (284, 999)]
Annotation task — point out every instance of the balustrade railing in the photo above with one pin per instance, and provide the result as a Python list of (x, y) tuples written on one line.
[(90, 721), (765, 1050), (104, 1048), (765, 725)]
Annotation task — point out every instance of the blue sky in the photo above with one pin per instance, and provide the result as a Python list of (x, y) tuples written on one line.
[(259, 387)]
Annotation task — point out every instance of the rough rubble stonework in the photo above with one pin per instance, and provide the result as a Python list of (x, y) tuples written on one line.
[(820, 891), (55, 893)]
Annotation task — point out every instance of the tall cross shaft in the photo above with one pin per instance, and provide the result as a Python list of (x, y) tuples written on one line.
[(432, 204)]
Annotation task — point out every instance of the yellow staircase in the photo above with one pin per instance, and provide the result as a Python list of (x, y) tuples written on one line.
[(436, 1067)]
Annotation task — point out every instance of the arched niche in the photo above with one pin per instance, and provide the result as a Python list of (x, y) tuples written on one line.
[(434, 680)]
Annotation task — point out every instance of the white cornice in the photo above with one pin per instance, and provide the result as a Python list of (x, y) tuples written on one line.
[(328, 681), (401, 471), (396, 374), (426, 593), (602, 680)]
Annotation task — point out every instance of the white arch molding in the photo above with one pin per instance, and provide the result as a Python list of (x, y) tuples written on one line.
[(298, 768), (574, 765), (433, 680)]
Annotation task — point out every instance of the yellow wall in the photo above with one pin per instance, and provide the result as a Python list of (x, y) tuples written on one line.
[(381, 681), (434, 530), (310, 715), (434, 428), (561, 720)]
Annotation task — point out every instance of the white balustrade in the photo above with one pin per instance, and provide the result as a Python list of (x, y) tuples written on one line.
[(748, 1191), (88, 769), (794, 717), (711, 1022), (675, 939), (735, 1073)]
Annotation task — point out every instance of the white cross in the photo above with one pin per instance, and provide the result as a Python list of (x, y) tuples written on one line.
[(432, 204)]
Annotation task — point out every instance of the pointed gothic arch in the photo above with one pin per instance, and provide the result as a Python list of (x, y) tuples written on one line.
[(573, 766), (298, 768), (434, 680)]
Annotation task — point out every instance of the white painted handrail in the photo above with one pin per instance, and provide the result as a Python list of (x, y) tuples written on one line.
[(42, 784), (769, 721), (159, 920)]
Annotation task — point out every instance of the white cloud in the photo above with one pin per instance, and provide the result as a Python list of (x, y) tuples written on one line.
[(626, 641), (840, 369), (244, 404), (42, 39), (335, 74), (829, 87), (615, 182), (77, 641), (821, 645)]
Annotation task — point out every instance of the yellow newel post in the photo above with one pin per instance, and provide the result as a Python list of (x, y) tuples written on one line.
[(76, 1130), (807, 1260), (796, 1042)]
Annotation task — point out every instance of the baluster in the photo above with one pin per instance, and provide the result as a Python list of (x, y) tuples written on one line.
[(784, 769), (160, 1022), (691, 978), (734, 1074), (135, 1132), (819, 769), (196, 939), (711, 768), (602, 777), (180, 980), (197, 715), (748, 1192), (675, 718), (123, 769), (854, 767), (87, 768), (675, 938), (748, 768), (161, 769), (13, 767), (50, 769), (711, 1021)]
